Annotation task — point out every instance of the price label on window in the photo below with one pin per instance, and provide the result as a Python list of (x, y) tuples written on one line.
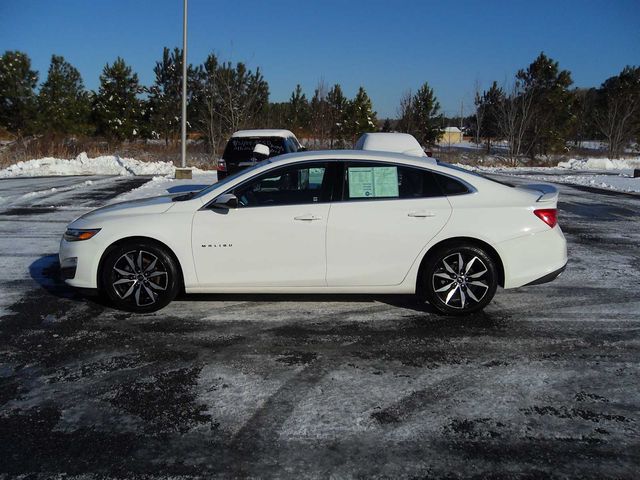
[(373, 182)]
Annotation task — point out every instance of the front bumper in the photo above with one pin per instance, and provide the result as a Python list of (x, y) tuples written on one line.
[(79, 263)]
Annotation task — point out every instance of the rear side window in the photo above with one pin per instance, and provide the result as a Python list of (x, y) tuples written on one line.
[(385, 181), (450, 186)]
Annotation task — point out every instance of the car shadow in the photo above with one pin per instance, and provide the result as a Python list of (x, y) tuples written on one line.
[(410, 302), (46, 272), (185, 188)]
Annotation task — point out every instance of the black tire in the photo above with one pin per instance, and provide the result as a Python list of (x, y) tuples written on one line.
[(140, 276), (452, 290)]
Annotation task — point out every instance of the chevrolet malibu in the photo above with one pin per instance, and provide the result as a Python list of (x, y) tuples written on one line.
[(324, 222)]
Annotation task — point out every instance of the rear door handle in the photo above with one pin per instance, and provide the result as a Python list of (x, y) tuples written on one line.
[(307, 218), (421, 214)]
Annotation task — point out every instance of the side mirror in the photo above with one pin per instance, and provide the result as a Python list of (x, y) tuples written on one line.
[(226, 201)]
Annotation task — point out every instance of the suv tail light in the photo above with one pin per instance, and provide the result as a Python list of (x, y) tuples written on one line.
[(548, 216), (222, 165)]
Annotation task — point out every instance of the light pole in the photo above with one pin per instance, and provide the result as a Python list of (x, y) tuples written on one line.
[(184, 172)]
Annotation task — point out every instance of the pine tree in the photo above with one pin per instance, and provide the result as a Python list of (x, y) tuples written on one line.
[(361, 117), (165, 96), (426, 119), (337, 116), (552, 105), (117, 109), (17, 94), (489, 107), (319, 113), (298, 118), (386, 126), (63, 103)]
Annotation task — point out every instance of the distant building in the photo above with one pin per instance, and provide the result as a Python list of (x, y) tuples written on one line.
[(451, 135)]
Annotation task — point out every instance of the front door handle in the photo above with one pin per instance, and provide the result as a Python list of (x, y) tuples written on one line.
[(421, 214), (307, 218)]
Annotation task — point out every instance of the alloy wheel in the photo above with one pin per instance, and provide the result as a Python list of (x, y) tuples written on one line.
[(139, 276), (461, 280)]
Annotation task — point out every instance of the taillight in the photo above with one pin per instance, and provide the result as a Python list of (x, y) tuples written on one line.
[(548, 216), (222, 165)]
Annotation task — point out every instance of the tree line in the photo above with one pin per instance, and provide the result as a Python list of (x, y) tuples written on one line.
[(540, 114), (537, 114), (222, 97)]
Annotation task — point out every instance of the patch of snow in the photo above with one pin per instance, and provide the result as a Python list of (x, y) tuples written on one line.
[(601, 163), (83, 165)]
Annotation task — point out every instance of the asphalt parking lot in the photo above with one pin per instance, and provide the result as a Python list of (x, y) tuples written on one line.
[(544, 384)]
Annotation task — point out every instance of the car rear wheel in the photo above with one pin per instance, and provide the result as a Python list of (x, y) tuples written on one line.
[(140, 277), (459, 279)]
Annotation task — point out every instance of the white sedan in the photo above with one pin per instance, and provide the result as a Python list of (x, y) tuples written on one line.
[(324, 222)]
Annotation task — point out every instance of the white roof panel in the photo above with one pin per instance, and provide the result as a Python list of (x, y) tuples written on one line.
[(263, 132)]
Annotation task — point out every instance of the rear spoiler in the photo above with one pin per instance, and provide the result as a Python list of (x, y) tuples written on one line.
[(548, 193)]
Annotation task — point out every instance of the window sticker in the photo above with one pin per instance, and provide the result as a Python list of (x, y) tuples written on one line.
[(373, 182), (315, 177)]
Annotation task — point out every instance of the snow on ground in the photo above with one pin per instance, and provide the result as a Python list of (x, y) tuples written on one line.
[(161, 185), (601, 164), (619, 183), (83, 165), (606, 173)]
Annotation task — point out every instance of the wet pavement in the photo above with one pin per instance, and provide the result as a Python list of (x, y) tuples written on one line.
[(543, 384)]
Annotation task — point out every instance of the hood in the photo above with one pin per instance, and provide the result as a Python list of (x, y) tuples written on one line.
[(134, 207)]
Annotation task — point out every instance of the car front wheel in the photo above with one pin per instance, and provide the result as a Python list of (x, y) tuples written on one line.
[(459, 279), (140, 277)]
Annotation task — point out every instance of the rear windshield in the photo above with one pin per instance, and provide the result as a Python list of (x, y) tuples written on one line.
[(473, 172), (240, 149)]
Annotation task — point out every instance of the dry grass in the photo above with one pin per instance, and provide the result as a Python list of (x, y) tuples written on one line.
[(149, 151)]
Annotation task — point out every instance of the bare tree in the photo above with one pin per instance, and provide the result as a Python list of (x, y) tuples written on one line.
[(515, 117), (229, 98), (405, 112), (618, 109)]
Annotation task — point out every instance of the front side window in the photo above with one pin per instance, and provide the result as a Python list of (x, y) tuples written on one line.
[(286, 186), (385, 181)]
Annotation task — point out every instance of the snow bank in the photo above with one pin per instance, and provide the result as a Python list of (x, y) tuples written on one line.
[(600, 164), (619, 183), (83, 165)]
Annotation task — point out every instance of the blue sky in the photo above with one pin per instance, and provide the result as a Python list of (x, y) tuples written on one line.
[(385, 46)]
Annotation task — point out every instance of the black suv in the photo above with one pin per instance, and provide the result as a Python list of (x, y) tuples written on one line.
[(239, 152)]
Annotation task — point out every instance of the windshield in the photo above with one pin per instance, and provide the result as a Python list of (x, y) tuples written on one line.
[(240, 149), (472, 172), (230, 178)]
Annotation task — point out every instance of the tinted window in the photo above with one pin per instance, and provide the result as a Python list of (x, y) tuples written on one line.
[(286, 186), (450, 186), (367, 181), (240, 149)]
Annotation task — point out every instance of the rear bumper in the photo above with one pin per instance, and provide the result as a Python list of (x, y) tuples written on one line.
[(529, 259), (549, 277)]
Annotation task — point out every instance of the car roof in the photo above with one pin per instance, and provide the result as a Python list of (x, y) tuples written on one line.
[(354, 155), (263, 132)]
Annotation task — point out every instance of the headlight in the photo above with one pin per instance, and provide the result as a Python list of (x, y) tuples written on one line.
[(76, 235)]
